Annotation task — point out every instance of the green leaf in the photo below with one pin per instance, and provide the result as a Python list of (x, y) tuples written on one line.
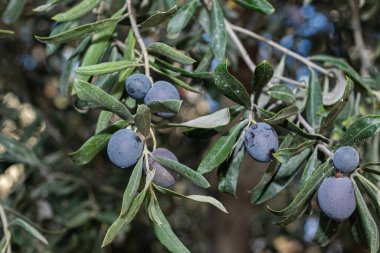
[(228, 172), (158, 18), (229, 86), (80, 31), (95, 144), (79, 10), (182, 71), (338, 107), (132, 187), (362, 129), (18, 151), (341, 64), (124, 220), (171, 53), (199, 198), (182, 169), (284, 154), (270, 172), (105, 67), (290, 126), (314, 103), (218, 31), (310, 167), (371, 233), (142, 119), (181, 83), (165, 234), (282, 92), (261, 6), (47, 6), (152, 211), (29, 228), (326, 230), (170, 105), (98, 98), (282, 115), (2, 31), (216, 119), (283, 177), (99, 45), (179, 21), (13, 11), (261, 77), (221, 150), (300, 202), (372, 190), (60, 27)]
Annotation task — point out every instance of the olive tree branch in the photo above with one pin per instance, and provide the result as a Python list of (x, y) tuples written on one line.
[(138, 37), (7, 236), (286, 51)]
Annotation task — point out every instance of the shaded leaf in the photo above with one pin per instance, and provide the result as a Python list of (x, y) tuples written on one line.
[(282, 115), (169, 52), (105, 67), (371, 233), (216, 119), (314, 103), (221, 150), (98, 98), (261, 77), (182, 169), (182, 17), (228, 172), (79, 10), (158, 18), (142, 119), (218, 31), (326, 230), (79, 31), (282, 92), (165, 234), (13, 11), (29, 228), (284, 154), (261, 6), (363, 128), (199, 198), (229, 86), (170, 105), (95, 144)]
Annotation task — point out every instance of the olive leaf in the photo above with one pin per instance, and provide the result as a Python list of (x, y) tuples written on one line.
[(159, 17), (184, 14), (77, 11), (169, 52), (314, 103), (284, 154), (216, 119), (142, 119), (218, 31), (221, 149), (261, 6), (229, 86)]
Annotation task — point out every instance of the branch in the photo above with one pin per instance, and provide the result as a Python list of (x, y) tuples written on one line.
[(138, 37), (286, 51), (358, 37)]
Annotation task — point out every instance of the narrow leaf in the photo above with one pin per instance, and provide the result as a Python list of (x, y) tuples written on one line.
[(282, 92), (182, 169), (171, 53), (158, 18), (29, 228), (105, 67), (221, 150), (229, 86), (95, 144), (283, 155), (142, 119), (13, 11), (218, 31), (261, 77), (98, 98), (178, 22), (314, 103), (282, 115), (79, 10), (216, 119), (261, 6), (170, 105)]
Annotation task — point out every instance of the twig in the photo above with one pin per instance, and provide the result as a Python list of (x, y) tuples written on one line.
[(4, 222), (138, 37), (243, 52), (286, 51), (325, 150), (294, 82), (358, 37), (305, 124)]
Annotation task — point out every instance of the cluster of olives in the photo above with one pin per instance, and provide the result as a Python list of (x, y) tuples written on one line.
[(261, 141), (139, 86), (125, 147), (336, 195)]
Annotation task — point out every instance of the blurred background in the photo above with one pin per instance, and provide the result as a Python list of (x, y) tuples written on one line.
[(73, 206)]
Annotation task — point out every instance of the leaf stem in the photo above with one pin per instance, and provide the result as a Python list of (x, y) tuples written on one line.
[(138, 37)]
